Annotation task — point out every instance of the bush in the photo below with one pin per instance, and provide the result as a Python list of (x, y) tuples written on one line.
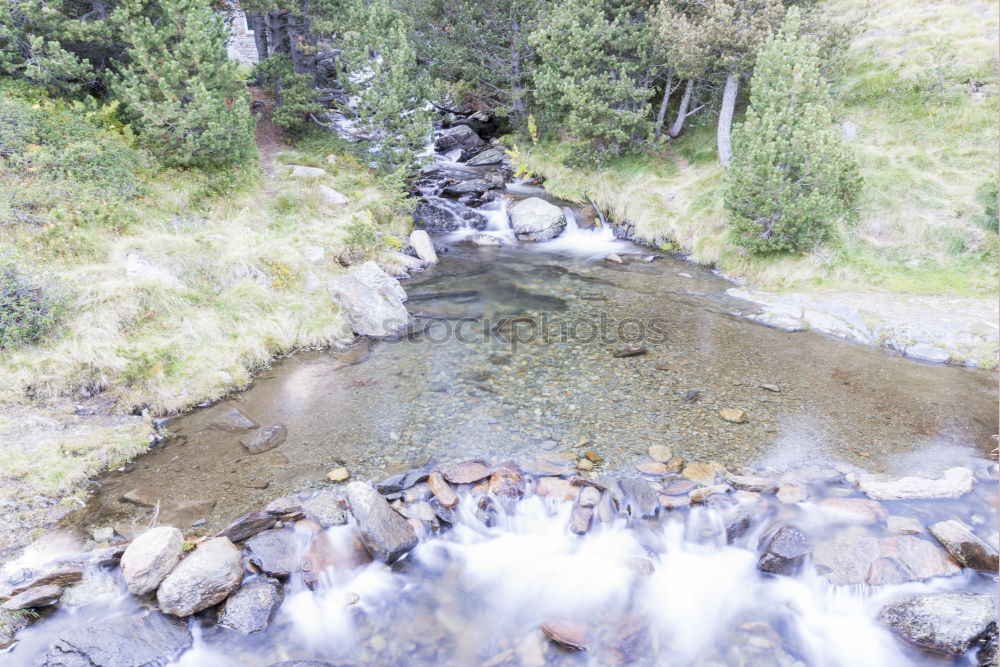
[(791, 177), (296, 98), (986, 195), (28, 311)]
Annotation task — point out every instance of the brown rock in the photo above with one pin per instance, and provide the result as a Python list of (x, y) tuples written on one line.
[(966, 547), (673, 502), (507, 480), (660, 453), (265, 439), (706, 473), (36, 596), (593, 457), (567, 634), (702, 494), (652, 468), (733, 415), (59, 574), (318, 558), (630, 352), (444, 493), (854, 510), (555, 487), (466, 472)]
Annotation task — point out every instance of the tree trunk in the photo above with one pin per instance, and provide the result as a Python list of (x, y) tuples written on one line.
[(682, 111), (726, 116), (663, 104), (256, 23)]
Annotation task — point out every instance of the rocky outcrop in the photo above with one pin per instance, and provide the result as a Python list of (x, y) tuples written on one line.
[(945, 622), (371, 300), (965, 546), (150, 558), (386, 534), (206, 577), (535, 219), (252, 607)]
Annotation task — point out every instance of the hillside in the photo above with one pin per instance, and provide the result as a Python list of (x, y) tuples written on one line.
[(918, 101)]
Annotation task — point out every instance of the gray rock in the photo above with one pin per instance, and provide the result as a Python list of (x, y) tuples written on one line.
[(954, 483), (206, 577), (402, 481), (485, 240), (493, 155), (589, 496), (249, 525), (881, 561), (370, 300), (36, 596), (472, 186), (252, 607), (386, 534), (59, 573), (460, 136), (580, 519), (903, 525), (422, 246), (535, 219), (233, 421), (752, 483), (785, 552), (944, 622), (438, 217), (303, 172), (265, 439), (327, 508), (987, 656), (151, 640), (966, 547), (273, 551), (150, 558), (330, 196), (641, 500)]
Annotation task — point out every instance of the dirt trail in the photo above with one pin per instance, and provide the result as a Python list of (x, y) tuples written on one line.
[(269, 137)]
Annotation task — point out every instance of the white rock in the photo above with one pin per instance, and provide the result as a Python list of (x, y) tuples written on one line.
[(206, 577), (150, 558), (954, 483), (330, 196), (371, 300), (370, 274), (421, 242), (300, 171), (535, 219)]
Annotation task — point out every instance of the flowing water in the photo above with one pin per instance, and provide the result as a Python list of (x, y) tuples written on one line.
[(514, 356)]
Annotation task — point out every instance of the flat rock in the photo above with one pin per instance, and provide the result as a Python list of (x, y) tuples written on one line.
[(233, 421), (59, 573), (966, 547), (327, 508), (466, 472), (265, 439), (753, 483), (627, 352), (150, 558), (706, 473), (273, 551), (655, 468), (506, 480), (903, 525), (785, 552), (945, 622), (853, 510), (680, 487), (36, 596), (248, 525), (402, 481), (251, 607), (121, 640), (206, 577), (881, 561), (660, 453), (567, 634), (386, 534), (444, 493), (560, 489), (701, 494), (954, 483), (733, 415)]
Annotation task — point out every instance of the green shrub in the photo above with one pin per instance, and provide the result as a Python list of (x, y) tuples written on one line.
[(296, 98), (986, 195), (791, 178), (28, 310)]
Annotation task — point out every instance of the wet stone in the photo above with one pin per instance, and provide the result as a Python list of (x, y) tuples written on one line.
[(706, 473), (903, 525), (785, 552), (121, 639), (486, 511), (251, 607), (340, 474), (640, 498), (733, 415), (654, 468), (580, 519), (589, 496), (680, 487), (944, 622), (150, 558), (556, 487), (567, 634), (507, 481), (247, 525), (204, 578), (233, 421), (703, 493), (385, 533), (60, 574), (326, 507), (630, 352), (953, 483), (966, 547), (402, 481), (881, 561), (466, 472), (273, 552), (444, 493), (673, 502), (660, 453), (265, 439), (36, 596), (853, 510), (752, 483)]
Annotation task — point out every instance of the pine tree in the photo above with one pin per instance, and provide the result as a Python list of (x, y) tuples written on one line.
[(179, 88), (791, 177), (593, 77), (389, 91)]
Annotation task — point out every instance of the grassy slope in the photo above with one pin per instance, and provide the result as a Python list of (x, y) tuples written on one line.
[(923, 150), (240, 291)]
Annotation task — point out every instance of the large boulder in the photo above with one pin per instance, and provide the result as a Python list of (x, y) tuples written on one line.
[(422, 246), (121, 640), (206, 577), (535, 219), (460, 136), (945, 622), (150, 558), (966, 547), (955, 482), (251, 608), (386, 534), (438, 217), (372, 301)]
